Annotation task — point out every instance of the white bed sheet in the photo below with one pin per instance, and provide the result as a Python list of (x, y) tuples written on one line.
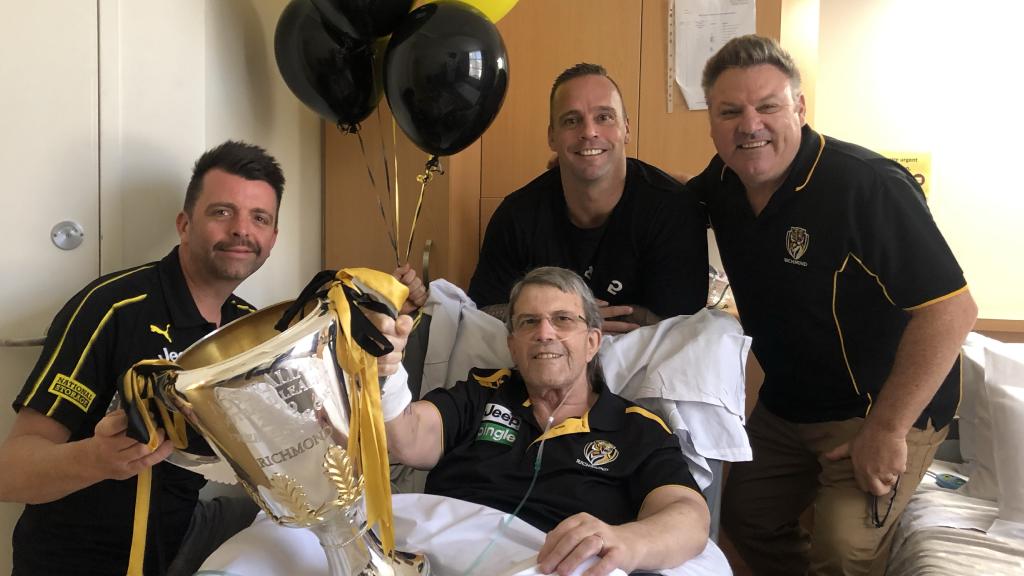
[(451, 532), (944, 532)]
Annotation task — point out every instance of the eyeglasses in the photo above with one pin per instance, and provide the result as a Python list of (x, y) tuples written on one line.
[(880, 522), (562, 322)]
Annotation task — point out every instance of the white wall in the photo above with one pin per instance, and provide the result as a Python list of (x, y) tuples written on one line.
[(175, 77), (179, 77), (939, 76)]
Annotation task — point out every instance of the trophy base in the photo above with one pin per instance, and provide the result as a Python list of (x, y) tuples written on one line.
[(364, 556)]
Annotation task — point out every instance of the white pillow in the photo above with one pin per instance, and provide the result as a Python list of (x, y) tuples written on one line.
[(1004, 379), (975, 422)]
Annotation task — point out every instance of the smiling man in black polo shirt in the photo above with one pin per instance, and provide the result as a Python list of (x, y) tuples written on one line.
[(610, 477), (633, 232), (857, 309), (67, 456)]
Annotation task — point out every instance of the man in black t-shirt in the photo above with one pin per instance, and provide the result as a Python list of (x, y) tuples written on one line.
[(857, 309), (601, 475), (636, 235)]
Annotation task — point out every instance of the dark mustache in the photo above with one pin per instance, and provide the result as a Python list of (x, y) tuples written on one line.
[(254, 247)]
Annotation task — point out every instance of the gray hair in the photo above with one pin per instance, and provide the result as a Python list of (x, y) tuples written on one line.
[(746, 52), (565, 280), (568, 282)]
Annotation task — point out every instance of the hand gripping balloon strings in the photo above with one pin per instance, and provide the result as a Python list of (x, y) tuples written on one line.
[(515, 513), (430, 169)]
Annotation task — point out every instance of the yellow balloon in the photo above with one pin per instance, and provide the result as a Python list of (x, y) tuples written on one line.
[(494, 9)]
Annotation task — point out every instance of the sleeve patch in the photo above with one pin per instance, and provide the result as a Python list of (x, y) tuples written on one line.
[(491, 378), (73, 391)]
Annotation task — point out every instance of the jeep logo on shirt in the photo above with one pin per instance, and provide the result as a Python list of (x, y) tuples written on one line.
[(499, 425), (168, 355), (500, 415)]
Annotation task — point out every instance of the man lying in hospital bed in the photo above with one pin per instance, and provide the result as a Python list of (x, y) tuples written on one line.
[(688, 370)]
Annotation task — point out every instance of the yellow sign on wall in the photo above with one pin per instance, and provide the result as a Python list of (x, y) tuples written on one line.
[(918, 163)]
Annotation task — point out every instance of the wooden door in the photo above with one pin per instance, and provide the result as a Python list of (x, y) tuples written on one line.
[(544, 37)]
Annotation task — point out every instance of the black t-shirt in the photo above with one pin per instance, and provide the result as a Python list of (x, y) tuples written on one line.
[(117, 320), (651, 252), (826, 276), (604, 463)]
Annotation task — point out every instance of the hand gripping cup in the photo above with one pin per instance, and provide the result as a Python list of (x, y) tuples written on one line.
[(293, 406)]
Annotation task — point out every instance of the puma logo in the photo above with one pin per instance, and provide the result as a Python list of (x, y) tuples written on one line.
[(166, 332)]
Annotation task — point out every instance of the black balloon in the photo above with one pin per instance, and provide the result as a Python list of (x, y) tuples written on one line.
[(336, 80), (362, 19), (445, 75)]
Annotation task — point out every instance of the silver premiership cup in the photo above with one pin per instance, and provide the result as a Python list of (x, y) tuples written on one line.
[(276, 407)]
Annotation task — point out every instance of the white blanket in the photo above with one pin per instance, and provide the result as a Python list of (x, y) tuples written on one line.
[(450, 532), (690, 370), (943, 531)]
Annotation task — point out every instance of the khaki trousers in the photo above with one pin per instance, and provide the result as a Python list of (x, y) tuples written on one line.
[(764, 499)]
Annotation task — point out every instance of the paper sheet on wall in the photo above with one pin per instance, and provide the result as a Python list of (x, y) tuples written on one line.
[(702, 27), (918, 163)]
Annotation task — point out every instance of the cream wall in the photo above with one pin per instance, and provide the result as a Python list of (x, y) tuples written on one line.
[(939, 77), (175, 77), (178, 77)]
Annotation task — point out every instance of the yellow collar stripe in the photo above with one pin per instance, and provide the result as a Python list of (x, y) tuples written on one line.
[(568, 426)]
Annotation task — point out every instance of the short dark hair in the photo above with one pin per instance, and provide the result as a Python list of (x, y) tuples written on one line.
[(583, 69), (746, 52), (240, 159)]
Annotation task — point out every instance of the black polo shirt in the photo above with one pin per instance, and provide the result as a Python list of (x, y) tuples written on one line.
[(651, 252), (826, 276), (604, 463), (117, 320)]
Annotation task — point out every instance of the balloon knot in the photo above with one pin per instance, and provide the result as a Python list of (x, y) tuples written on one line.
[(430, 169)]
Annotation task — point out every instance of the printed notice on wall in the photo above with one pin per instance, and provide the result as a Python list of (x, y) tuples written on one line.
[(702, 27), (918, 163)]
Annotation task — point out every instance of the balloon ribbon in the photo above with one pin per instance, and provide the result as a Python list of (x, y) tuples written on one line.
[(430, 169), (373, 184)]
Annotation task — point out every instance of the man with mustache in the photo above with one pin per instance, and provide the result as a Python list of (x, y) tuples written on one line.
[(67, 457), (857, 309), (631, 230), (599, 474)]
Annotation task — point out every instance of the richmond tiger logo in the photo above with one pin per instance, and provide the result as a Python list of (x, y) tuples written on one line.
[(600, 452)]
